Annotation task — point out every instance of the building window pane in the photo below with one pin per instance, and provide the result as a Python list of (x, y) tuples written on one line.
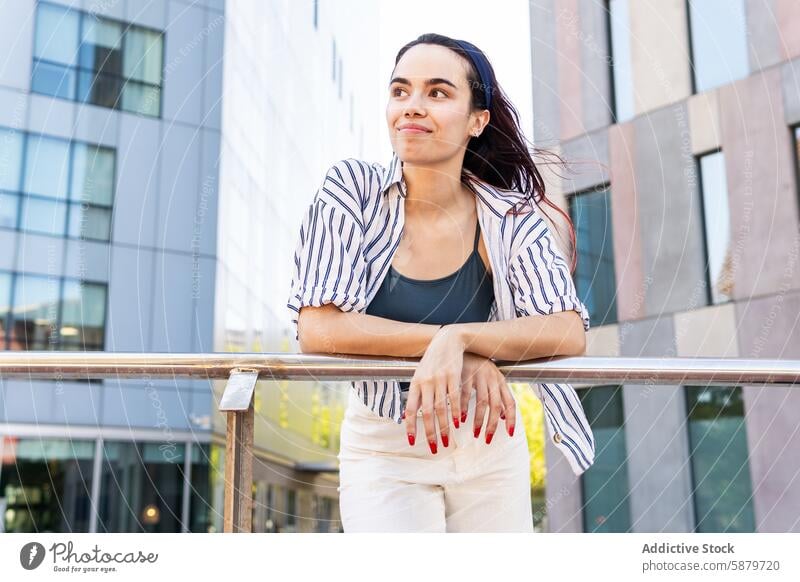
[(92, 174), (43, 216), (35, 313), (10, 159), (99, 89), (719, 42), (106, 59), (621, 68), (605, 483), (716, 218), (291, 510), (143, 50), (141, 98), (89, 222), (205, 469), (101, 46), (718, 450), (46, 167), (53, 80), (8, 210), (56, 34), (83, 310), (141, 488), (595, 278), (45, 484), (5, 306)]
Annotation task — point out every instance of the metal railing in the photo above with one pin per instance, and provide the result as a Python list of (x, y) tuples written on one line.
[(243, 370)]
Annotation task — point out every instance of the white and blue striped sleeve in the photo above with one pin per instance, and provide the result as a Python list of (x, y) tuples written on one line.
[(541, 281), (329, 266)]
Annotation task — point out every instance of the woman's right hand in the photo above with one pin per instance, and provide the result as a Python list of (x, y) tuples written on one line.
[(482, 375)]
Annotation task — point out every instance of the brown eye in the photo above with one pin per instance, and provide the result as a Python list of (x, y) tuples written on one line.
[(440, 91)]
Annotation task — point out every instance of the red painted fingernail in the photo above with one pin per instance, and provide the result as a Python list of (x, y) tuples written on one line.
[(403, 416), (433, 446), (445, 440), (411, 439), (502, 416), (477, 432), (463, 417), (489, 436), (455, 421), (511, 431)]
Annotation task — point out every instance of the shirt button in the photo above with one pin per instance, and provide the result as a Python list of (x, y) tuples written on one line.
[(557, 438)]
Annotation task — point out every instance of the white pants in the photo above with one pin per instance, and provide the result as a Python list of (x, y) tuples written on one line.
[(387, 485)]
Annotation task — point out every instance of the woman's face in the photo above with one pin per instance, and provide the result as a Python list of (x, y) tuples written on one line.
[(441, 107)]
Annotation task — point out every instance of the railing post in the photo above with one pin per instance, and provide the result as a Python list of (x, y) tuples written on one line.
[(237, 401)]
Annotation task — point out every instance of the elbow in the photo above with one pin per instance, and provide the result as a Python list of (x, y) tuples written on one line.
[(305, 332), (573, 342), (580, 344), (312, 329)]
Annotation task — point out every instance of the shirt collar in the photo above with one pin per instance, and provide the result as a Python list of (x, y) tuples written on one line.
[(500, 201)]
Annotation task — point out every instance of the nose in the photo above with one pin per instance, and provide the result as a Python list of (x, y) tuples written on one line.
[(413, 105)]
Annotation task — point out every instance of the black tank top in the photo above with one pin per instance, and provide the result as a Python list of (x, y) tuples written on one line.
[(461, 297)]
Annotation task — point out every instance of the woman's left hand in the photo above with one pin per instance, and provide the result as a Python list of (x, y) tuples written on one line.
[(437, 378)]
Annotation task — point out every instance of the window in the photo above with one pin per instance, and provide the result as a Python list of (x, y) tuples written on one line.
[(716, 222), (605, 483), (718, 450), (340, 78), (5, 306), (291, 510), (595, 279), (141, 487), (619, 34), (49, 313), (91, 59), (56, 187), (45, 484), (718, 41), (205, 468), (333, 74)]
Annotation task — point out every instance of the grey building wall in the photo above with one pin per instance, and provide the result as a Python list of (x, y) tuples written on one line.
[(160, 262), (649, 162)]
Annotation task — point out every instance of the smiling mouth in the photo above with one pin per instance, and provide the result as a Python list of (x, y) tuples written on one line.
[(413, 130)]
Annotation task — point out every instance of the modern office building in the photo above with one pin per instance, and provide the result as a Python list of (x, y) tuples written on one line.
[(154, 158), (681, 123)]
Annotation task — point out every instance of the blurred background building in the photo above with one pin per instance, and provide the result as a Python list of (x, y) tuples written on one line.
[(151, 156), (681, 123), (140, 211)]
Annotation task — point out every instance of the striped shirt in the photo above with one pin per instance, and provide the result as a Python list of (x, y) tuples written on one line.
[(350, 233)]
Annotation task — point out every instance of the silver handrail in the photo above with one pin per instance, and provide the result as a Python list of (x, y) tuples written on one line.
[(242, 370), (593, 369)]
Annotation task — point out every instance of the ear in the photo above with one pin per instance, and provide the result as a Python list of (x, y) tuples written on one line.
[(481, 121)]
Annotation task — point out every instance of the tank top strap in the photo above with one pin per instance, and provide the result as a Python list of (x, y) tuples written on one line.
[(477, 235)]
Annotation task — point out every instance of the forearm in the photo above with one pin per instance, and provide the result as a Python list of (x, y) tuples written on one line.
[(329, 330), (525, 338)]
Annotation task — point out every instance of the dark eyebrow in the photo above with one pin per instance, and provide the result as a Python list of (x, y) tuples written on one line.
[(434, 81)]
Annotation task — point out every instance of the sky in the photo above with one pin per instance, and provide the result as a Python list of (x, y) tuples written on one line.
[(501, 29)]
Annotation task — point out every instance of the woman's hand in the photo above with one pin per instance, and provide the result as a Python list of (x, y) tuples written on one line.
[(482, 375), (437, 378)]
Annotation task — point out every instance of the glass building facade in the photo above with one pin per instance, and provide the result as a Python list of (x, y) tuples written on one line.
[(93, 59)]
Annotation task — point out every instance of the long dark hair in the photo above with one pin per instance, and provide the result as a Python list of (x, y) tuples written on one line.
[(500, 155)]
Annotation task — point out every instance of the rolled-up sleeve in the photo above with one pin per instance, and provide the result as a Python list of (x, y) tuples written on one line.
[(328, 262), (541, 281)]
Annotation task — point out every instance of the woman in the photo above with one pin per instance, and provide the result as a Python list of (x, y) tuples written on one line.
[(380, 269)]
